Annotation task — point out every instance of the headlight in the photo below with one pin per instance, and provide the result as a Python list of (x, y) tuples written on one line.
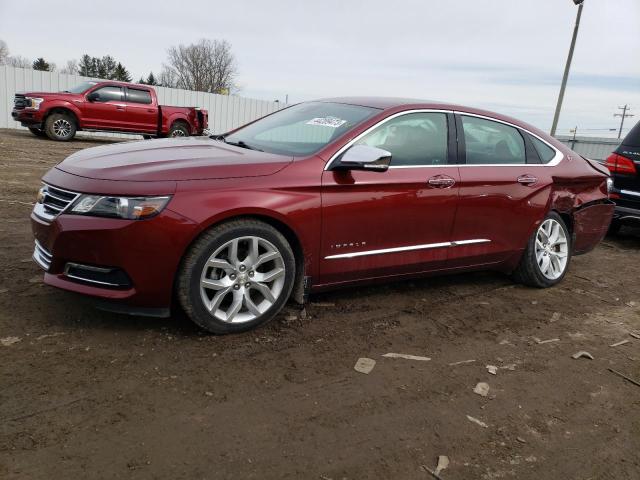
[(130, 208), (35, 102)]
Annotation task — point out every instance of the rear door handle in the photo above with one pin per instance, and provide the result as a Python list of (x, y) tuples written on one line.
[(441, 181), (527, 179)]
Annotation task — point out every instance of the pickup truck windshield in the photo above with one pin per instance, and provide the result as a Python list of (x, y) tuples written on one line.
[(302, 129), (83, 87)]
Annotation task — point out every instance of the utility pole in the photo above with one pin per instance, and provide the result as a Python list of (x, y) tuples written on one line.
[(622, 116), (573, 140), (567, 66)]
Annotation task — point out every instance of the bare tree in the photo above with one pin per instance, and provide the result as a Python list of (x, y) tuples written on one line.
[(18, 61), (167, 77), (4, 52), (205, 66), (70, 68)]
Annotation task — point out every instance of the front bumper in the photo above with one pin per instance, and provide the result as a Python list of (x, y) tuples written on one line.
[(28, 117), (142, 257)]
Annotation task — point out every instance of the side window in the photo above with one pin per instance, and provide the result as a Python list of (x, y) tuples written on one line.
[(135, 95), (545, 152), (413, 139), (109, 94), (488, 142)]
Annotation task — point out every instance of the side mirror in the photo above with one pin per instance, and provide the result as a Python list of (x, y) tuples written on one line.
[(364, 157), (93, 96)]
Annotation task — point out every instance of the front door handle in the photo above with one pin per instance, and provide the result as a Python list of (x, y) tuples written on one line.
[(441, 181), (527, 179)]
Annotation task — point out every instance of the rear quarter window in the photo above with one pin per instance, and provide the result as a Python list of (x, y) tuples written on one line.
[(545, 152)]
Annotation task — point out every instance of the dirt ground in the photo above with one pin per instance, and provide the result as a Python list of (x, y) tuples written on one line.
[(88, 394)]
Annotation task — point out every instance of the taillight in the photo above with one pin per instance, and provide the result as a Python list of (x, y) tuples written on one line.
[(619, 164)]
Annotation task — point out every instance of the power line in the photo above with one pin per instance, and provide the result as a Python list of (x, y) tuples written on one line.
[(622, 116)]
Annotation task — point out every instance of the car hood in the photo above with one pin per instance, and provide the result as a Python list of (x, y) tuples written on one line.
[(171, 159), (46, 95)]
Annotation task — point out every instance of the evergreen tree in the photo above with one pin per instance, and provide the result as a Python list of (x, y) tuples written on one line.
[(151, 79), (120, 73), (142, 81), (86, 66), (41, 64), (106, 67)]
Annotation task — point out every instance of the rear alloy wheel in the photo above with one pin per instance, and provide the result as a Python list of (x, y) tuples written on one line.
[(178, 129), (236, 277), (60, 126), (546, 258)]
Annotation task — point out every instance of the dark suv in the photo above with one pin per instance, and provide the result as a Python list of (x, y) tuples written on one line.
[(624, 164)]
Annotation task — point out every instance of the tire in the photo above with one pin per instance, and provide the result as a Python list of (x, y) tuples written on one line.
[(614, 227), (60, 126), (37, 132), (209, 291), (178, 129), (531, 270)]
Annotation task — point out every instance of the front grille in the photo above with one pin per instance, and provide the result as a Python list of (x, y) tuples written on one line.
[(53, 201), (20, 102), (42, 256)]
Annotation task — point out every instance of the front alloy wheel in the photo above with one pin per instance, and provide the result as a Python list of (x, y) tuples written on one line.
[(236, 276), (242, 279)]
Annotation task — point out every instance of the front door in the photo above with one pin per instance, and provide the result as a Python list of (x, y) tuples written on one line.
[(106, 110), (378, 224)]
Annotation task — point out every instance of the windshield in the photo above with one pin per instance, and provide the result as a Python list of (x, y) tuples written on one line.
[(83, 87), (302, 129)]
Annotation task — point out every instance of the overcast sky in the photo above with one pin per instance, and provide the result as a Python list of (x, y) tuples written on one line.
[(503, 55)]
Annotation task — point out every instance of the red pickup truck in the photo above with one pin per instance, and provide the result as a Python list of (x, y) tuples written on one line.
[(105, 106)]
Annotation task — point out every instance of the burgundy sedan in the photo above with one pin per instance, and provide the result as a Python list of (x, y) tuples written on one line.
[(316, 196)]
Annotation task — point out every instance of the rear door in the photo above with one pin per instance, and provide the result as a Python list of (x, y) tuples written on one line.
[(142, 114), (378, 224), (107, 111), (504, 189)]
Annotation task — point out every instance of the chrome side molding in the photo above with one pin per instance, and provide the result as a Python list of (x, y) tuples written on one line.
[(425, 246)]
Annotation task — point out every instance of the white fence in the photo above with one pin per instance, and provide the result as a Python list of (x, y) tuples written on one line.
[(225, 111), (595, 148)]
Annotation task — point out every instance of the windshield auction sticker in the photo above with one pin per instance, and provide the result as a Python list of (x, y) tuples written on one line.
[(332, 122)]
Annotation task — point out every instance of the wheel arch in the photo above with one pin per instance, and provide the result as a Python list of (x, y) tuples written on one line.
[(64, 108), (178, 118)]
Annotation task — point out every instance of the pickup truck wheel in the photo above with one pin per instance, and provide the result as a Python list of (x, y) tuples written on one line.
[(37, 132), (236, 276), (178, 129), (546, 258), (60, 126)]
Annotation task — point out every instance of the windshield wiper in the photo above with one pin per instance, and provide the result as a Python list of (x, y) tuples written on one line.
[(241, 144)]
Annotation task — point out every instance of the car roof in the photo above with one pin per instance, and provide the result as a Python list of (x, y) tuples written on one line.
[(393, 103), (119, 83), (382, 103)]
